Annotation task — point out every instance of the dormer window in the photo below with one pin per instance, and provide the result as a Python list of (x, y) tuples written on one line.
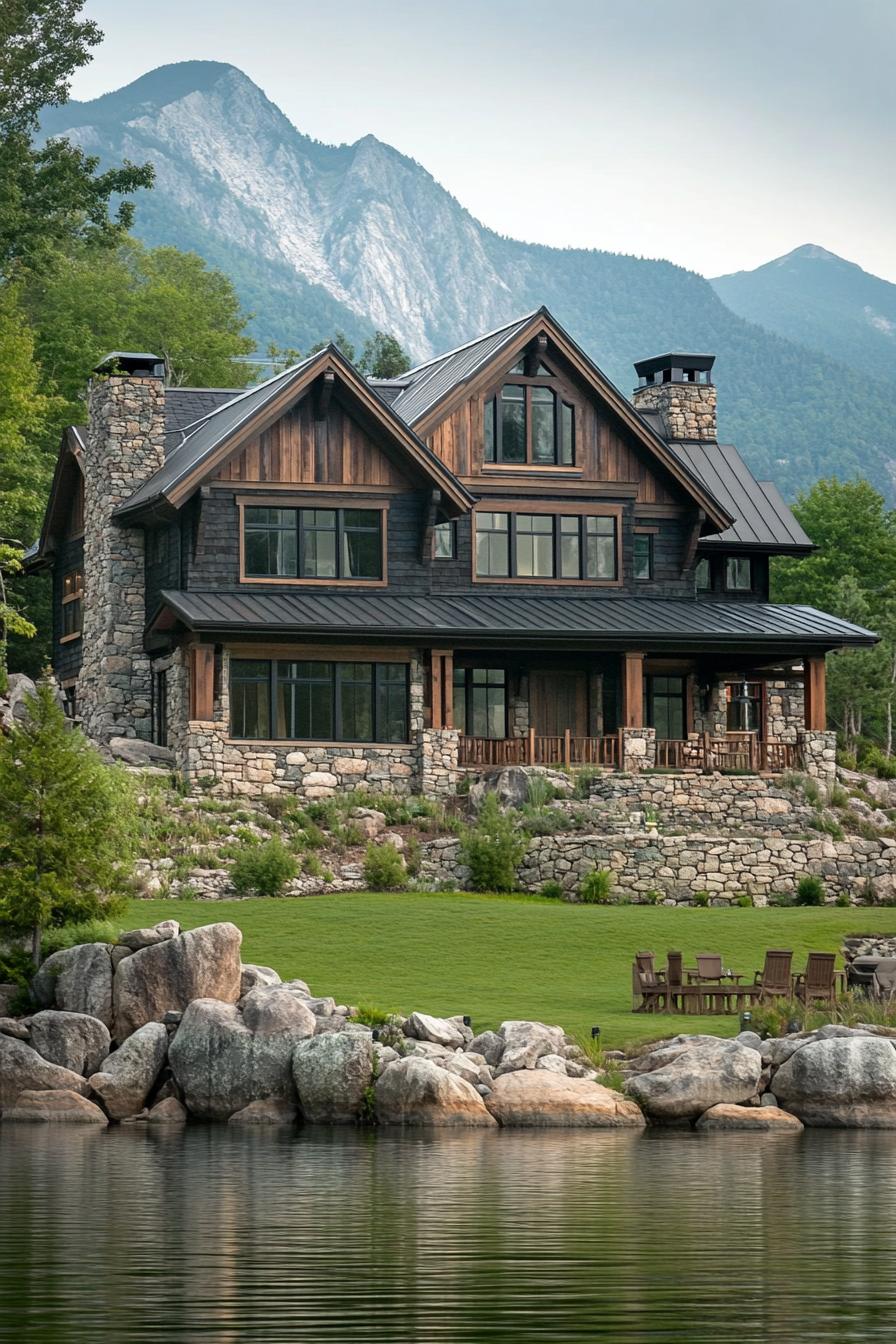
[(528, 423)]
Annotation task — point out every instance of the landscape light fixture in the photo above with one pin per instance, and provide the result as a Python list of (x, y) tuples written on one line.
[(376, 1033), (792, 1027), (746, 1021), (468, 1021), (595, 1033)]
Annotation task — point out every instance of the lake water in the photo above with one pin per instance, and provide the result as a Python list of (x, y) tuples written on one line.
[(341, 1235)]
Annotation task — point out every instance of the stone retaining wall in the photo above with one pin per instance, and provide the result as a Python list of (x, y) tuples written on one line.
[(701, 802), (678, 866)]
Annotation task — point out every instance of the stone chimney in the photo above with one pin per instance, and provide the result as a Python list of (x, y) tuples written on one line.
[(125, 446), (679, 387)]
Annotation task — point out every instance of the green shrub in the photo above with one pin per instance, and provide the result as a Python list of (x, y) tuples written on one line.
[(493, 848), (596, 888), (552, 890), (781, 899), (70, 935), (744, 900), (311, 836), (413, 855), (820, 821), (700, 898), (539, 791), (839, 797), (843, 899), (583, 779), (263, 869), (810, 890), (384, 868)]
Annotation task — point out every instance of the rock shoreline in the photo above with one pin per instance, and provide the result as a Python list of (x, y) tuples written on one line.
[(166, 1026)]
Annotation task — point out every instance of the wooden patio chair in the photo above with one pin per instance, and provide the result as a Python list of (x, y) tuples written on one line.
[(680, 998), (775, 981), (817, 982), (648, 992), (709, 967)]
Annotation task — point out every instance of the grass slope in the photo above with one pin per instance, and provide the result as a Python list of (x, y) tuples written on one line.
[(506, 957)]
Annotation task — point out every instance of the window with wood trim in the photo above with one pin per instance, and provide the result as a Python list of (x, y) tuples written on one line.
[(72, 603), (528, 423), (664, 701), (444, 541), (703, 575), (642, 556), (286, 700), (337, 544), (546, 546), (738, 574), (480, 701)]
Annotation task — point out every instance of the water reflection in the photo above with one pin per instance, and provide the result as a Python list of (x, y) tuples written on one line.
[(328, 1235)]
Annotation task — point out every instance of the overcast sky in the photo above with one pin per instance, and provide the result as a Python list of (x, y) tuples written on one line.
[(718, 135)]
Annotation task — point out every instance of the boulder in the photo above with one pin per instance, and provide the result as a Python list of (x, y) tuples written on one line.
[(770, 1119), (701, 1075), (136, 939), (9, 994), (61, 1107), (512, 785), (332, 1074), (298, 987), (488, 1044), (203, 963), (77, 980), (417, 1092), (14, 1026), (525, 1043), (222, 1063), (438, 1030), (251, 977), (135, 751), (125, 1079), (76, 1041), (24, 1070), (553, 1064), (841, 1081), (464, 1067), (168, 1111), (270, 1111), (540, 1099)]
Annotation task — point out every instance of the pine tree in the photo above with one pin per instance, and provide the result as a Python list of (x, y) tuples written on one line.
[(66, 825)]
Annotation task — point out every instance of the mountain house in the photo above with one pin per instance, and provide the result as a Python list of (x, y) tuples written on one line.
[(328, 581)]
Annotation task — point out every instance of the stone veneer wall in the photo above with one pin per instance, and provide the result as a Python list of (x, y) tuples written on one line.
[(701, 802), (427, 763), (785, 708), (688, 409), (125, 446), (678, 866)]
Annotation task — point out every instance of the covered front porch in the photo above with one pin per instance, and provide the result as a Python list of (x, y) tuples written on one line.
[(590, 709)]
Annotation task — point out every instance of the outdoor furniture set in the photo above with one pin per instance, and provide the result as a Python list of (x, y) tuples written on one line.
[(709, 987)]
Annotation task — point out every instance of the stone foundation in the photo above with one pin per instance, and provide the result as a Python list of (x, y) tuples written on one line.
[(638, 749), (819, 753)]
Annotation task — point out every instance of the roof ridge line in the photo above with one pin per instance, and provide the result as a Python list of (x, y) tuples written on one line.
[(484, 336), (247, 392)]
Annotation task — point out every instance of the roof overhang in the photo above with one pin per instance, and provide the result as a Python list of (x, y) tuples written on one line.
[(66, 473)]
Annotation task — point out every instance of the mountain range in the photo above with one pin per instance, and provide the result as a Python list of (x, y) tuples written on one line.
[(319, 237)]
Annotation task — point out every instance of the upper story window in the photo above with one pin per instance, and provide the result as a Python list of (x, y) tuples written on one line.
[(642, 559), (704, 575), (444, 541), (528, 423), (543, 546), (72, 603), (738, 574), (337, 544)]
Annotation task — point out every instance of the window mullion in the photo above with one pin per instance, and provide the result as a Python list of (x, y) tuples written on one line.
[(300, 543), (527, 412), (340, 534), (511, 545), (272, 696), (499, 427)]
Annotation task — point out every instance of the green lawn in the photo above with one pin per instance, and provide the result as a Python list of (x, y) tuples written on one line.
[(503, 957)]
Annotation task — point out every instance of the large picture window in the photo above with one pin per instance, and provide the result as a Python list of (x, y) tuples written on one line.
[(666, 706), (338, 544), (529, 423), (287, 700), (480, 701), (542, 546)]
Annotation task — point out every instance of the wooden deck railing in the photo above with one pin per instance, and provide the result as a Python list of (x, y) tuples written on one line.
[(567, 752)]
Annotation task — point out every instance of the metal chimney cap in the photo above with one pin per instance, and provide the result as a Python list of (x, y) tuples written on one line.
[(137, 364)]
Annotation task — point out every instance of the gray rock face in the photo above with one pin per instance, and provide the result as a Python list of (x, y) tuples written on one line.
[(134, 751), (73, 1040), (222, 1064), (267, 1112), (203, 963), (488, 1044), (541, 1099), (23, 1069), (136, 939), (417, 1092), (512, 785), (438, 1030), (272, 1009), (251, 977), (700, 1076), (62, 1107), (168, 1111), (77, 980), (332, 1073), (525, 1043), (841, 1081), (9, 993), (126, 1078), (757, 1118), (13, 1026)]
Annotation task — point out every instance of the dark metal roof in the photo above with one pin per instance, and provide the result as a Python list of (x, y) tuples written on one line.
[(603, 621), (645, 367), (427, 383), (762, 519), (185, 405)]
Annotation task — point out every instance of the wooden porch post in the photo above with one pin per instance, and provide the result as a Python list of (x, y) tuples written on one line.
[(814, 692), (633, 690), (436, 684), (442, 684), (202, 681)]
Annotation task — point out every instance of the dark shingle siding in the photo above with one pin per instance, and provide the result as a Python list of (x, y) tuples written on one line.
[(66, 657)]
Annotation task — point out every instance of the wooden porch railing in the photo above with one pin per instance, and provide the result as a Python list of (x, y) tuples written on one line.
[(744, 752)]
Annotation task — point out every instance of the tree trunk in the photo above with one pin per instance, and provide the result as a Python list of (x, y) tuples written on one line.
[(36, 935)]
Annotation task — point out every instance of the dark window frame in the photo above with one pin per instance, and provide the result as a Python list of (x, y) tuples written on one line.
[(302, 526), (448, 528), (653, 694), (466, 676), (493, 424), (645, 541), (707, 561), (381, 684), (72, 605), (739, 588), (557, 519)]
